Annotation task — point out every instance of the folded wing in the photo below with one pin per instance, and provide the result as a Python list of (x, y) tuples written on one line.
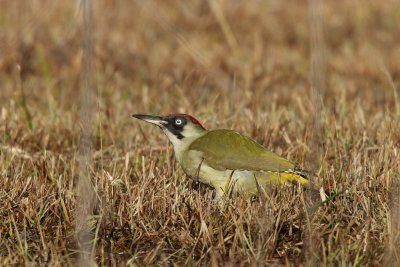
[(229, 150)]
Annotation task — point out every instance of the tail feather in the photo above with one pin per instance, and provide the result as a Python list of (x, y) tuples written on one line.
[(303, 176), (294, 177), (303, 173)]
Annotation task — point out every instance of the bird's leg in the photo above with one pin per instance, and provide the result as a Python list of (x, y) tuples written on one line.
[(257, 184), (219, 198), (259, 190), (229, 185), (222, 193), (196, 183)]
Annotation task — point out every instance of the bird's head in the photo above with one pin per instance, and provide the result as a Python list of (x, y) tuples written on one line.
[(179, 128)]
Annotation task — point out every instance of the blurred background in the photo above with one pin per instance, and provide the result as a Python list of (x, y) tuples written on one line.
[(160, 56), (229, 63)]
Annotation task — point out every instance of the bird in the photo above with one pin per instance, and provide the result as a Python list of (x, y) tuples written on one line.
[(225, 159)]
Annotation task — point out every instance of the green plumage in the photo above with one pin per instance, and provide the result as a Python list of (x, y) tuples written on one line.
[(224, 159), (229, 150)]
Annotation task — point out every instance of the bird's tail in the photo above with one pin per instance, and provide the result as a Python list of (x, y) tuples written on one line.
[(291, 176), (295, 176)]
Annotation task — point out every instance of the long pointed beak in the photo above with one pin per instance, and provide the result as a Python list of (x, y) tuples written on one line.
[(157, 120)]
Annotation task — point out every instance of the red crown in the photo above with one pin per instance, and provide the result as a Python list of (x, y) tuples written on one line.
[(187, 116)]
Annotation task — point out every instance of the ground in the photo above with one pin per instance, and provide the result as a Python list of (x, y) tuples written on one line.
[(258, 67)]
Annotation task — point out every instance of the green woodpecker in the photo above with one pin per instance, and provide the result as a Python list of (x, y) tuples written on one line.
[(224, 159)]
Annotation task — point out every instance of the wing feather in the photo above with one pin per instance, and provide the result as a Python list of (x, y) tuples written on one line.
[(229, 150)]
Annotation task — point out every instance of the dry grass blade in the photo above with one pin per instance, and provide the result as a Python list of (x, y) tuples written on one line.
[(85, 192), (318, 91), (226, 29)]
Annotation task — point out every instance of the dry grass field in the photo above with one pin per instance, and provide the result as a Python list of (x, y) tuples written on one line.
[(243, 65)]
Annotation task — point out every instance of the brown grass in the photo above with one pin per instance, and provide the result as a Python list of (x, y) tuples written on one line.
[(243, 65)]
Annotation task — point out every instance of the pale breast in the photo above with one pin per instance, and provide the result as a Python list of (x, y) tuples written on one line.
[(194, 166)]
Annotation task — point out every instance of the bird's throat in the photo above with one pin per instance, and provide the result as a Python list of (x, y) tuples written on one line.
[(181, 145)]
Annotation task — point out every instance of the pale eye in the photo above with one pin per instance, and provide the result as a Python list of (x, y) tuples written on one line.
[(178, 122)]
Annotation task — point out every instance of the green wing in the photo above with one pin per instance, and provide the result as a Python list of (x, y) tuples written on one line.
[(226, 149)]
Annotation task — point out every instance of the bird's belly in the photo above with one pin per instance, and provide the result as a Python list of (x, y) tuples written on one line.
[(240, 180), (226, 180), (194, 166), (229, 180)]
